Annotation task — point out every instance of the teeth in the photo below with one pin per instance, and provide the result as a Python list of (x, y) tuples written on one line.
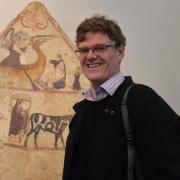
[(93, 65)]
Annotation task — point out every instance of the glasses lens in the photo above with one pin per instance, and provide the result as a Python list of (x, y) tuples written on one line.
[(100, 48)]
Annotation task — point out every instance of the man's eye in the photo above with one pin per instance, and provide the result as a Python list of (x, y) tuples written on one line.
[(100, 48), (84, 50)]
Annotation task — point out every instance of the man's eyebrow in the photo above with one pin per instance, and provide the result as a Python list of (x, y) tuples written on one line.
[(98, 44)]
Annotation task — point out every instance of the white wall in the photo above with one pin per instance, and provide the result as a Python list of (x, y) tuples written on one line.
[(152, 29)]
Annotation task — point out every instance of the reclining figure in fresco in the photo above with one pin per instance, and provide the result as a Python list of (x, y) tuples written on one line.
[(47, 123)]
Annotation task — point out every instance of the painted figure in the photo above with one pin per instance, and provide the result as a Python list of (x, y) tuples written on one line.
[(19, 120), (32, 66)]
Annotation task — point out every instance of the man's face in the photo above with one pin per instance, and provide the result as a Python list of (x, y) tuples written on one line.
[(102, 63)]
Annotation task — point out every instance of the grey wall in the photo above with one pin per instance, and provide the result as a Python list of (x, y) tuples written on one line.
[(152, 29)]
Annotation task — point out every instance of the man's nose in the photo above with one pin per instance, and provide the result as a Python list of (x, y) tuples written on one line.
[(91, 54)]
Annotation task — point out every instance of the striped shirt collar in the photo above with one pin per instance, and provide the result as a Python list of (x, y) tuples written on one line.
[(107, 88)]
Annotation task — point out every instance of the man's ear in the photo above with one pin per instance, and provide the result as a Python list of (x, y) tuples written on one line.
[(121, 51)]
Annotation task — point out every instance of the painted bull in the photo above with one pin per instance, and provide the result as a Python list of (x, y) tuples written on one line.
[(47, 123)]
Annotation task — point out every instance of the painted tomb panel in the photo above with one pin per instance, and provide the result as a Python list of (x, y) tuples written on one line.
[(40, 80)]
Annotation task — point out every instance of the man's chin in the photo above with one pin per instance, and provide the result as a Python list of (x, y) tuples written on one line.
[(96, 80)]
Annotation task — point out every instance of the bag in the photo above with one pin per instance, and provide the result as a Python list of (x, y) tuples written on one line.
[(134, 171)]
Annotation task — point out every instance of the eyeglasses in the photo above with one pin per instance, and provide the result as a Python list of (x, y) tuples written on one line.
[(100, 48)]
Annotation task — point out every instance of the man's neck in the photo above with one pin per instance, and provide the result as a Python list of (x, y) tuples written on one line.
[(94, 88), (95, 85)]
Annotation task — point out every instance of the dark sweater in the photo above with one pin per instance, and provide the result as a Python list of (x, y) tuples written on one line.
[(156, 127), (91, 122)]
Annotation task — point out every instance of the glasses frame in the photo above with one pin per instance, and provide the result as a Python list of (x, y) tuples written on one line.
[(99, 48)]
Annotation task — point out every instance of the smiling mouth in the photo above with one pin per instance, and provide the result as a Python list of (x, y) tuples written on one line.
[(94, 65)]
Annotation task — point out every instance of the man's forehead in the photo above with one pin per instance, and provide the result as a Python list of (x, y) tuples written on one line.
[(95, 38), (91, 34)]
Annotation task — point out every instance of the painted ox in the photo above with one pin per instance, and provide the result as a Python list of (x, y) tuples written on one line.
[(47, 123)]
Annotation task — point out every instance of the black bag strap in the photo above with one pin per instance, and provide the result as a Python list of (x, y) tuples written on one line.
[(133, 161)]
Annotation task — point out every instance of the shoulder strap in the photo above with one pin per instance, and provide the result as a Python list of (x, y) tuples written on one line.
[(132, 156)]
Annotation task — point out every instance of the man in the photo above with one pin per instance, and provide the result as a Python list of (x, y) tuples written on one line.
[(96, 146)]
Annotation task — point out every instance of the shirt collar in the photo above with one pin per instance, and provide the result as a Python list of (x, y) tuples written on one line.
[(107, 88)]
